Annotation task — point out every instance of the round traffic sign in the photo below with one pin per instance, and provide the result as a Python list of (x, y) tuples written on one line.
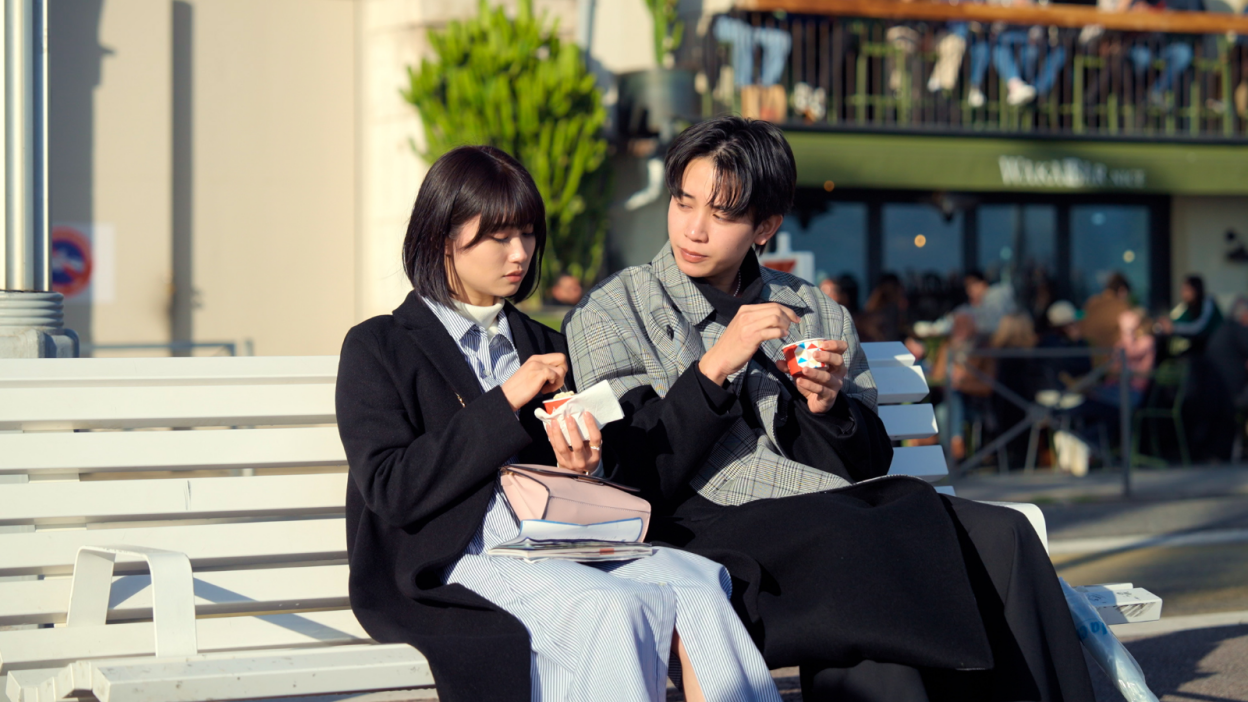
[(71, 261)]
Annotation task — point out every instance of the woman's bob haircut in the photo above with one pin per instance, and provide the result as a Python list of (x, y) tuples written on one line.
[(470, 181)]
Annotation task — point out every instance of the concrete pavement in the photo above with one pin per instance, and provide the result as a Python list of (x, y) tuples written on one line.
[(1182, 534)]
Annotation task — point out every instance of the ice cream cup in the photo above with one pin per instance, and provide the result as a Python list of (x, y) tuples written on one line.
[(800, 356), (552, 405)]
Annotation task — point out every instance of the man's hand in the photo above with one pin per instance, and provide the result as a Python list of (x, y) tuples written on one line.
[(753, 325), (821, 386)]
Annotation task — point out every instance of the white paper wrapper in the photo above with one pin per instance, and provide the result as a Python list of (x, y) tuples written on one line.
[(598, 400)]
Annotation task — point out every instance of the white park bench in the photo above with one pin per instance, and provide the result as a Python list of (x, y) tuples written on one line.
[(172, 529)]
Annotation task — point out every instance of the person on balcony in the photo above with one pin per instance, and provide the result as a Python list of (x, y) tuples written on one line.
[(881, 589), (1175, 51), (962, 38), (1017, 45)]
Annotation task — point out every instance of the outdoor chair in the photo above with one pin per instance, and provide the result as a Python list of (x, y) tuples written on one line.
[(1163, 401), (173, 529)]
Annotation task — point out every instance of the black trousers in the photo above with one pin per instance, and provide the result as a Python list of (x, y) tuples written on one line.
[(1036, 652), (889, 592)]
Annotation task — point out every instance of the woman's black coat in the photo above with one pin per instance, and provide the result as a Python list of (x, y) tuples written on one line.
[(424, 445)]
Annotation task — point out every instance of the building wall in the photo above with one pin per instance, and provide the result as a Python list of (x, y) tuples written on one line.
[(274, 173), (233, 159), (391, 36), (109, 154), (1198, 244)]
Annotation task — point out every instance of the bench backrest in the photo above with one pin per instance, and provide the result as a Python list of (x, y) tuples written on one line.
[(235, 462)]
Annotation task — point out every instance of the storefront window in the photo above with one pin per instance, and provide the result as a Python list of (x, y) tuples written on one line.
[(1108, 238), (838, 238), (924, 248), (1017, 244)]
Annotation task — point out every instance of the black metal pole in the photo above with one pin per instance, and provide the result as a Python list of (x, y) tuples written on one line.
[(1124, 420)]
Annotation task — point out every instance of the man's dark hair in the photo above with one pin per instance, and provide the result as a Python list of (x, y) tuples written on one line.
[(1197, 284), (974, 274), (755, 175), (466, 182), (1117, 283)]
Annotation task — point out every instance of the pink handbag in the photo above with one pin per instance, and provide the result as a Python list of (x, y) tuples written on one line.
[(563, 495)]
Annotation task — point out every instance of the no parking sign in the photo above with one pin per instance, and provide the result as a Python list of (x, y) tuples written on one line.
[(71, 261), (83, 262)]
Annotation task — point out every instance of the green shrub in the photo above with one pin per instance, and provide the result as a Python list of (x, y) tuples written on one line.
[(668, 31), (512, 84)]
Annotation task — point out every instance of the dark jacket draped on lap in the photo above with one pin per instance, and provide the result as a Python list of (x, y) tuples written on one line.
[(424, 445)]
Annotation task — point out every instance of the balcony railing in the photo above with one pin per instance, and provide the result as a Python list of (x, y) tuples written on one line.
[(932, 67)]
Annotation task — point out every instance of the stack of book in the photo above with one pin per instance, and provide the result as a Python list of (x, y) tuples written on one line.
[(540, 540)]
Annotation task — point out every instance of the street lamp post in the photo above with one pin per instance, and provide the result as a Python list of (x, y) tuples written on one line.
[(31, 314)]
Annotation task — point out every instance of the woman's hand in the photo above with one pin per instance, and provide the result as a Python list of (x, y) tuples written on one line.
[(577, 454), (821, 386), (753, 325), (540, 374)]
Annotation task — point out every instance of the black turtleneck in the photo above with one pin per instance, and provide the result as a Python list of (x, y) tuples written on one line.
[(828, 441)]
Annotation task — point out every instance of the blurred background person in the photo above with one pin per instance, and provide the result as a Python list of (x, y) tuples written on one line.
[(829, 287), (966, 394), (987, 304), (1195, 319), (567, 290), (1101, 311), (1022, 376), (887, 310), (1175, 50), (1064, 333), (1033, 78), (1141, 356), (1228, 353)]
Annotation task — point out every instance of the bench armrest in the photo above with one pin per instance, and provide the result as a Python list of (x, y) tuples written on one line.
[(1033, 514), (173, 594)]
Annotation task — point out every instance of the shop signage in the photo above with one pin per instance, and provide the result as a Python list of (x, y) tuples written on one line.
[(998, 164), (1067, 173)]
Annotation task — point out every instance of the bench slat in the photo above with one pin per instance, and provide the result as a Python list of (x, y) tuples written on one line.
[(900, 384), (112, 451), (128, 372), (316, 672), (908, 421), (887, 354), (169, 406), (210, 545), (58, 646), (926, 462), (216, 592), (51, 502)]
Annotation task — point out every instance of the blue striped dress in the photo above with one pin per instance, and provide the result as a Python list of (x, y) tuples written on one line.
[(600, 631)]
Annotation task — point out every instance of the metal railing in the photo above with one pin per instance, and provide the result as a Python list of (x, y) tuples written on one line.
[(953, 76), (1038, 414), (215, 348)]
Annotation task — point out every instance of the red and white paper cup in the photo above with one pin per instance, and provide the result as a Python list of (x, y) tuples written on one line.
[(801, 356), (552, 405)]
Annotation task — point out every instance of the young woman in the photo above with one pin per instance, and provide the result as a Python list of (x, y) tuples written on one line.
[(432, 400), (878, 587)]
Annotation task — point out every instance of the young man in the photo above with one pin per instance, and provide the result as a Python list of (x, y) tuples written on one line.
[(878, 587)]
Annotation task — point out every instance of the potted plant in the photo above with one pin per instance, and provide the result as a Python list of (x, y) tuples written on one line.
[(511, 83), (660, 101)]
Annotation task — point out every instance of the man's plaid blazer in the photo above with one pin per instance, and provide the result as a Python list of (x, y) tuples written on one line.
[(645, 325)]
